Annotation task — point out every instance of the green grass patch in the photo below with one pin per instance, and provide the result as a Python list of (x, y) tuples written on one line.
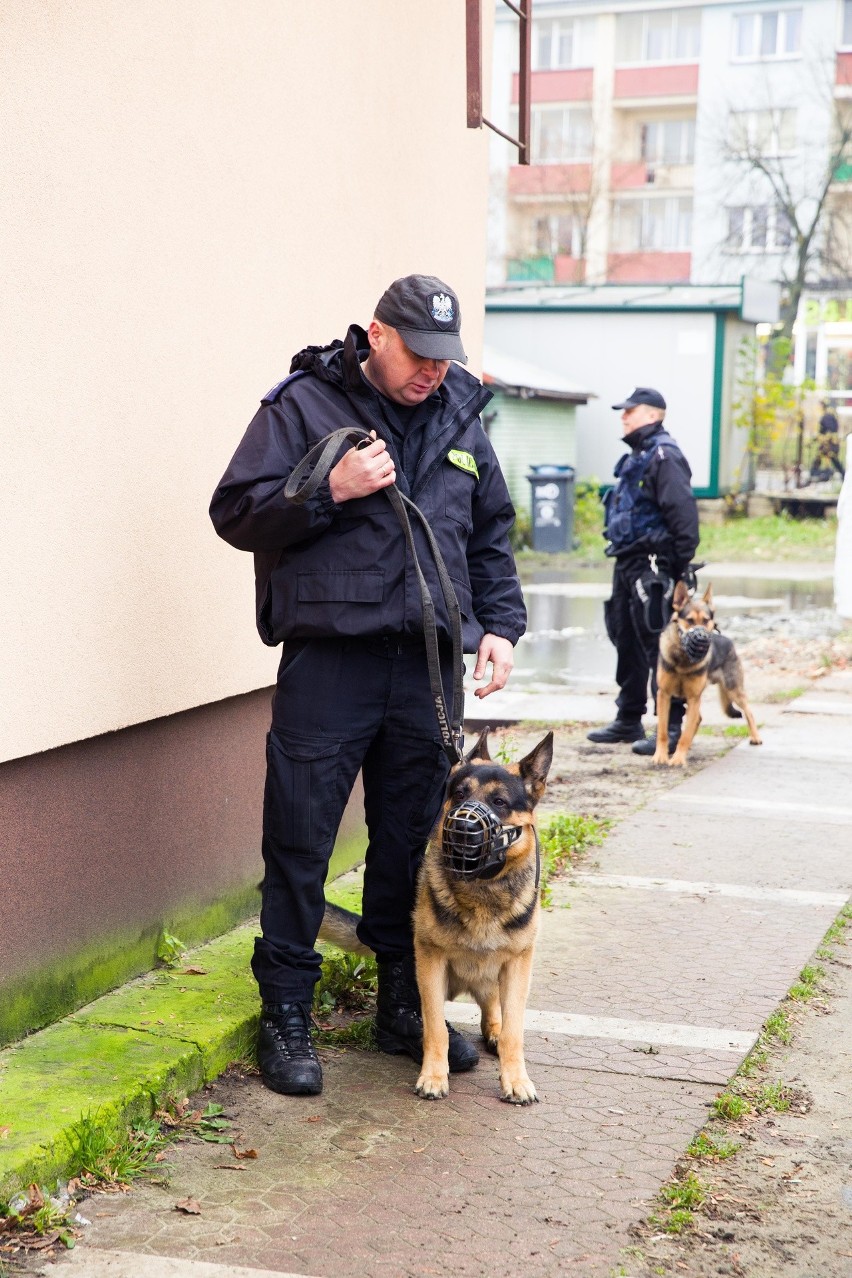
[(563, 839), (836, 934), (348, 983), (740, 539), (769, 537), (359, 1034), (34, 1218), (808, 984), (706, 1146), (735, 730), (730, 1106), (103, 1154), (777, 1026), (783, 695), (773, 1096), (689, 1192)]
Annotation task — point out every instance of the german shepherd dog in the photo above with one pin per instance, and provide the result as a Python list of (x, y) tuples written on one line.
[(692, 654), (477, 911)]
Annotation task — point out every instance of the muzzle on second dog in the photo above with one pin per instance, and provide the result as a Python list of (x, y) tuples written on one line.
[(695, 642), (474, 841)]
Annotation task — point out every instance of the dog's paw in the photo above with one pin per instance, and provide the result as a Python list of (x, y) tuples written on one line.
[(661, 757), (678, 760), (432, 1086), (491, 1037), (518, 1091)]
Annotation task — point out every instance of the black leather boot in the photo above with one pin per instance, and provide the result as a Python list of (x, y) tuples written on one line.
[(649, 745), (617, 731), (285, 1050), (399, 1024)]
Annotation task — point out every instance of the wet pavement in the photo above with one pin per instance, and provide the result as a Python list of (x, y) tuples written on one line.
[(696, 916)]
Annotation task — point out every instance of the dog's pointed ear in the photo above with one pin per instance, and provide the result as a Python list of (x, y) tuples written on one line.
[(534, 767), (681, 594), (480, 750), (708, 595)]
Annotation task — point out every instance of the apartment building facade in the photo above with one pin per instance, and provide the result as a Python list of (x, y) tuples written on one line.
[(665, 139)]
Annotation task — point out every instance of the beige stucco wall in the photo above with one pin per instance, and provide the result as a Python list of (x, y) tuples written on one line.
[(191, 192)]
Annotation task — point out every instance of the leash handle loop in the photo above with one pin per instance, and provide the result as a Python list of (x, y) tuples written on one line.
[(304, 481)]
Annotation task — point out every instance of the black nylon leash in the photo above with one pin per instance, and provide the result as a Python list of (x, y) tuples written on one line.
[(304, 482)]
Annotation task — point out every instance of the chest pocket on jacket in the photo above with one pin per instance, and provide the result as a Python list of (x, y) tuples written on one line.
[(459, 488)]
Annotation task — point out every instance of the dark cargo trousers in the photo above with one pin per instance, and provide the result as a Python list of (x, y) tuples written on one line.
[(341, 705), (636, 647)]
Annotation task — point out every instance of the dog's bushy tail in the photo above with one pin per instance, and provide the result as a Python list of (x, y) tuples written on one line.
[(338, 927)]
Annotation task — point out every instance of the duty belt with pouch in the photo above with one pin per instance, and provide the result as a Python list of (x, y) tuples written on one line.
[(655, 590)]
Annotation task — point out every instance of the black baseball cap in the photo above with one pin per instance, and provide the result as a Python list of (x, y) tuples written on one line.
[(643, 395), (425, 312)]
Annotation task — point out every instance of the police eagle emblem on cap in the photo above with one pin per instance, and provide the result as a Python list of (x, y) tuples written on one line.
[(442, 308)]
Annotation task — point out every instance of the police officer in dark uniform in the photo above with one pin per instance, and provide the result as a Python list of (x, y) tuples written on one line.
[(336, 584), (828, 446), (651, 524)]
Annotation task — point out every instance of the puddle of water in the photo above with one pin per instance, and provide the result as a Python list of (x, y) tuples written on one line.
[(566, 645)]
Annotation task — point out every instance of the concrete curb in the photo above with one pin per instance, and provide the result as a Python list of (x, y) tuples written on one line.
[(162, 1035)]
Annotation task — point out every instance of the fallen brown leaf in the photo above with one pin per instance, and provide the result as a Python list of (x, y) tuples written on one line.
[(189, 1206), (244, 1153), (314, 1118), (194, 971), (228, 1167), (4, 1132), (46, 1240)]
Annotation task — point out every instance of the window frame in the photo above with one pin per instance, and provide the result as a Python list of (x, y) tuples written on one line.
[(644, 18), (646, 206), (751, 117), (755, 18), (687, 126), (771, 217), (845, 39), (556, 26), (567, 109)]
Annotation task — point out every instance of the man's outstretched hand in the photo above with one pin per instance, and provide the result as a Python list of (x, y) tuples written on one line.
[(501, 654)]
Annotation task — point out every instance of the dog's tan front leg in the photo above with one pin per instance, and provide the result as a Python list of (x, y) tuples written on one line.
[(492, 1020), (664, 705), (434, 1080), (515, 1083), (690, 726)]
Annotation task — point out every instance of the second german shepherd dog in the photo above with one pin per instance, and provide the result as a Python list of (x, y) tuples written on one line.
[(476, 934), (692, 654)]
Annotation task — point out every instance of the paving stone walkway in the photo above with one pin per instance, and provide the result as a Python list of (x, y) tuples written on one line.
[(698, 914)]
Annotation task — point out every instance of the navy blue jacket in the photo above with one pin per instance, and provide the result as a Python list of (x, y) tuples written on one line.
[(652, 509), (328, 570)]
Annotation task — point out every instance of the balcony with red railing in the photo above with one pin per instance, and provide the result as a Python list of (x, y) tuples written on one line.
[(843, 70), (646, 268), (557, 86), (550, 179), (679, 80)]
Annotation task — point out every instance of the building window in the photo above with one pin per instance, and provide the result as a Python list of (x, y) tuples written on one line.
[(652, 225), (558, 234), (561, 135), (772, 33), (560, 43), (846, 35), (668, 35), (765, 133), (758, 228), (668, 141)]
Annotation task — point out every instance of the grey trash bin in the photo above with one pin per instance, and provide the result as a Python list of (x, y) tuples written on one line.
[(552, 507)]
